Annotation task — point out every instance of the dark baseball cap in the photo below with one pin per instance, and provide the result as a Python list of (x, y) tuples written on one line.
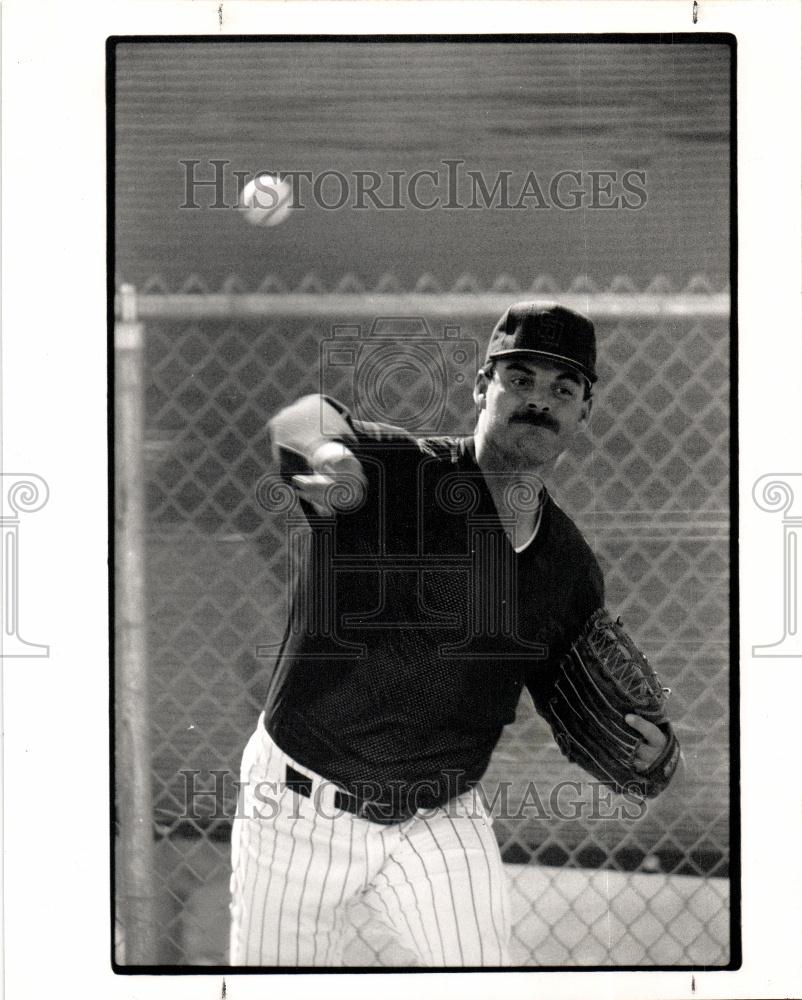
[(549, 331)]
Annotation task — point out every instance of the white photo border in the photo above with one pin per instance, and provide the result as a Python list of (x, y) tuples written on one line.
[(54, 410)]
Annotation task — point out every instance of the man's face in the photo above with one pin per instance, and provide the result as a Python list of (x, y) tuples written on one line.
[(530, 409)]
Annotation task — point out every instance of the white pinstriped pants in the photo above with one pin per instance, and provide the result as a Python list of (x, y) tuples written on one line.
[(437, 879)]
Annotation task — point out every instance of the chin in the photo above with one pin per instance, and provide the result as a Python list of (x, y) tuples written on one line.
[(543, 442), (536, 456)]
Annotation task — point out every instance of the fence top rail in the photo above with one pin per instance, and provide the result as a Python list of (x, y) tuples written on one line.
[(315, 305)]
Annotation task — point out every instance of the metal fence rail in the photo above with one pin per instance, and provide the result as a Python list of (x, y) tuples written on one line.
[(649, 487)]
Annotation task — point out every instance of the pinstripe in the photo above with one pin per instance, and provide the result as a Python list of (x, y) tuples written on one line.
[(303, 890), (322, 894), (344, 867), (236, 907), (417, 907), (348, 869), (450, 887), (256, 881), (372, 878), (366, 878), (386, 917), (334, 933), (501, 896), (245, 834), (470, 885), (431, 893), (375, 909), (333, 938), (235, 885), (266, 896), (243, 915), (403, 912), (495, 876), (500, 937), (284, 890)]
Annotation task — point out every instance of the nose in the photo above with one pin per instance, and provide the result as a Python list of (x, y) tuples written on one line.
[(537, 402)]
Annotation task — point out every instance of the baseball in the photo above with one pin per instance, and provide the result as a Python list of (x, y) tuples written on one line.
[(266, 200)]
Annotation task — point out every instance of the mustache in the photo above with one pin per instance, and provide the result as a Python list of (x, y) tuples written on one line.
[(536, 418)]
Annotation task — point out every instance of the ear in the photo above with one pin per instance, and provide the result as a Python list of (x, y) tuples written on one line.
[(584, 416), (480, 388)]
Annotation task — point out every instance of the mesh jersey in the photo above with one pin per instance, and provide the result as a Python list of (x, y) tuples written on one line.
[(415, 624)]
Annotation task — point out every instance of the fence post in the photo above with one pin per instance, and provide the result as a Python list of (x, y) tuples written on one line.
[(135, 888)]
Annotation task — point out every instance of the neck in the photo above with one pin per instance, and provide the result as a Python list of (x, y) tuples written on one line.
[(503, 465), (517, 491)]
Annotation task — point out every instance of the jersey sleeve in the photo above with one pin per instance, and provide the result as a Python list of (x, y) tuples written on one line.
[(388, 455), (299, 429), (587, 597)]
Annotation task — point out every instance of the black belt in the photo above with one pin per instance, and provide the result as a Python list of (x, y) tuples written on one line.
[(375, 812), (369, 809)]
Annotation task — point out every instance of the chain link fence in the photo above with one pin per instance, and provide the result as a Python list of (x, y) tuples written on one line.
[(649, 487)]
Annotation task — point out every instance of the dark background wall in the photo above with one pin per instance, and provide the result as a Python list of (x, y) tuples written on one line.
[(660, 108)]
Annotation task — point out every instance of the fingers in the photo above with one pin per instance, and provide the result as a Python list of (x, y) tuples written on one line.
[(334, 465), (335, 459), (328, 494), (314, 490), (648, 751), (330, 452), (648, 730), (644, 758)]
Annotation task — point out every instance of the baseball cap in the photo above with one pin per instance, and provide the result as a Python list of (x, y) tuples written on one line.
[(548, 330)]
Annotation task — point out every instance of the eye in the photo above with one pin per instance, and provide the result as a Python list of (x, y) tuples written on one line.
[(566, 389)]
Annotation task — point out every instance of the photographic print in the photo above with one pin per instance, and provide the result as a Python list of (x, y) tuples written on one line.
[(424, 448)]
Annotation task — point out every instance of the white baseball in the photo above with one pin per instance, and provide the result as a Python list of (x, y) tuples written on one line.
[(266, 200)]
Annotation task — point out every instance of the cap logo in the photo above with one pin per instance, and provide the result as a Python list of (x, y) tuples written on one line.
[(532, 327), (550, 330)]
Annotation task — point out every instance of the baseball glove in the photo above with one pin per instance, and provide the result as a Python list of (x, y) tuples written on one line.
[(603, 678)]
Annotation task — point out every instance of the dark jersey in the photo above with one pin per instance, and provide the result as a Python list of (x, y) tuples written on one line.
[(415, 624)]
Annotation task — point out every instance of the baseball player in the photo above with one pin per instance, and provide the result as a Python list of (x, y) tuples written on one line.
[(438, 579)]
